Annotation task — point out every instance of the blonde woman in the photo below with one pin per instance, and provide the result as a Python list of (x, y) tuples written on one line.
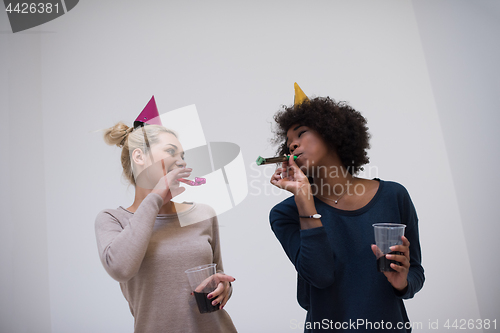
[(144, 247)]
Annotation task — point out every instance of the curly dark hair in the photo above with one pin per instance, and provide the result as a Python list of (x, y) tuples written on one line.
[(343, 129)]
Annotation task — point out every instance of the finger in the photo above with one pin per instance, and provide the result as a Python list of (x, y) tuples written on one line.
[(181, 175), (406, 242), (224, 277), (276, 176), (217, 291), (227, 293), (203, 284), (402, 249), (223, 297), (218, 300), (285, 168), (175, 179), (276, 182), (224, 301), (292, 163), (277, 173), (376, 251), (399, 269), (179, 172), (399, 258), (295, 169)]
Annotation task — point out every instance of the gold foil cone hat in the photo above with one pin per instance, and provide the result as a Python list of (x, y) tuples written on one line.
[(300, 97)]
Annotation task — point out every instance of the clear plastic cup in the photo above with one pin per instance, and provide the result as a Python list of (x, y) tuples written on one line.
[(202, 283), (387, 235)]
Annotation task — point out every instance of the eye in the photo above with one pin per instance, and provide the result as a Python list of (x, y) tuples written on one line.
[(170, 151), (301, 133)]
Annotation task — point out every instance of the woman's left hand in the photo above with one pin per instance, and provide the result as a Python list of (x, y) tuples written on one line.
[(222, 293), (398, 279)]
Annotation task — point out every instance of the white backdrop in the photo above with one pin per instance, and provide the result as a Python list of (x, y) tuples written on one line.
[(424, 73)]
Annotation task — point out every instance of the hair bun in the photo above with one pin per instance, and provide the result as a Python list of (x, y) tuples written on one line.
[(117, 134)]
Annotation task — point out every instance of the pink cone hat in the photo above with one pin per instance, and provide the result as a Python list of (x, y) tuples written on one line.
[(149, 115)]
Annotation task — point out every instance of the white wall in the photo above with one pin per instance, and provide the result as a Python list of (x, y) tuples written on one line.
[(424, 74)]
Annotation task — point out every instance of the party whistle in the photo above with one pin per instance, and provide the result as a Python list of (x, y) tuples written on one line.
[(196, 182), (284, 158)]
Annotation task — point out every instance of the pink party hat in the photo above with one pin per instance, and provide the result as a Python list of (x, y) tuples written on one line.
[(149, 115)]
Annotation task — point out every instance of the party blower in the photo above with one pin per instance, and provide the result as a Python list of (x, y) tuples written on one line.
[(270, 160), (196, 182)]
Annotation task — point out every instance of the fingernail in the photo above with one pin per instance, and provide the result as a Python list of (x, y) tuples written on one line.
[(389, 256), (392, 248), (210, 296), (221, 307), (214, 303)]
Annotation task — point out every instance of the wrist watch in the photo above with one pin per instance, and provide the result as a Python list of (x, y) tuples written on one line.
[(315, 216)]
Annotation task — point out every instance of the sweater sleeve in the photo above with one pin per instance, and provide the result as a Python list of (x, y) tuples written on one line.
[(309, 250), (122, 249), (416, 276), (217, 257)]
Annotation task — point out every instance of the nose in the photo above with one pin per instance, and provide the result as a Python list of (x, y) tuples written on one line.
[(293, 146), (181, 163)]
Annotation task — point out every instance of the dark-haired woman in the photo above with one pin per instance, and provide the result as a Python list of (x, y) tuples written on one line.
[(326, 228)]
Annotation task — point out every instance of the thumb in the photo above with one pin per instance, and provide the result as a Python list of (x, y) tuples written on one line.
[(376, 251)]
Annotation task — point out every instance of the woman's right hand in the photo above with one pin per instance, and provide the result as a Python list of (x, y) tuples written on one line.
[(293, 179), (168, 185)]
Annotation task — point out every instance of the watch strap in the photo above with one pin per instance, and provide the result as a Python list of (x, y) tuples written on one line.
[(315, 216)]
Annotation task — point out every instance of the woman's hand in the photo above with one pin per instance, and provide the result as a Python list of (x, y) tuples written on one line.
[(397, 279), (221, 294), (168, 185), (289, 177)]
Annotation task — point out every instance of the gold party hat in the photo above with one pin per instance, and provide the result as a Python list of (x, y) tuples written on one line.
[(300, 97)]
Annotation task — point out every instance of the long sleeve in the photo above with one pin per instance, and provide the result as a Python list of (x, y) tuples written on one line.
[(217, 253), (309, 250), (216, 244), (122, 247), (416, 276)]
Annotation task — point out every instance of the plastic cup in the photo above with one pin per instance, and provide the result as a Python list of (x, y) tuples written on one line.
[(387, 235), (202, 283)]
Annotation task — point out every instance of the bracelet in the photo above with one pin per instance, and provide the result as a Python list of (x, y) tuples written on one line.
[(315, 216)]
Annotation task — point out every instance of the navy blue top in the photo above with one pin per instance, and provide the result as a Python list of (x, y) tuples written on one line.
[(338, 282)]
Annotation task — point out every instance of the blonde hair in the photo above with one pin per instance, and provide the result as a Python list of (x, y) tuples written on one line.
[(130, 139)]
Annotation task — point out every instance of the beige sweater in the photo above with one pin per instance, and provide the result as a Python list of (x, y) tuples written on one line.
[(148, 253)]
